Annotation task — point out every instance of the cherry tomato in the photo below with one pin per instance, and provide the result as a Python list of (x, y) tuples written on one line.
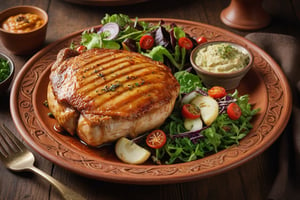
[(234, 111), (217, 92), (190, 111), (81, 49), (201, 40), (185, 42), (156, 139), (146, 42)]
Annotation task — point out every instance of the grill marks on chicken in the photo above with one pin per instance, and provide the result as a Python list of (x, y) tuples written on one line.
[(110, 93)]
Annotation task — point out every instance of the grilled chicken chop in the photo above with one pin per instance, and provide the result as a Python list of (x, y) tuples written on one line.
[(102, 94)]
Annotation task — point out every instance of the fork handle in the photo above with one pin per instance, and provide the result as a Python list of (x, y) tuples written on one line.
[(66, 192)]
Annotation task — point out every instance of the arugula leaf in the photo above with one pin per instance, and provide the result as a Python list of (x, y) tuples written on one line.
[(131, 33), (212, 137)]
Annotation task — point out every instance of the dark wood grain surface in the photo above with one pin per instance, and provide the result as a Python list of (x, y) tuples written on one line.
[(252, 180)]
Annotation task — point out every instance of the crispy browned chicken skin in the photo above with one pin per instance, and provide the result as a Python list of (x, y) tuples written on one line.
[(102, 94)]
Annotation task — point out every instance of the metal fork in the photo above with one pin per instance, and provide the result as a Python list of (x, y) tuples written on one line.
[(17, 157)]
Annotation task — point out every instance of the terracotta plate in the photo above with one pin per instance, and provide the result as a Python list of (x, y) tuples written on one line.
[(265, 83), (106, 2)]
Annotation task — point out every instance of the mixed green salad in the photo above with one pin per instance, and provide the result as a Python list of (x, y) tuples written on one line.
[(189, 133), (227, 128), (167, 43)]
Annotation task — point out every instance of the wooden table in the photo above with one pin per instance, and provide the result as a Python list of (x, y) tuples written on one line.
[(252, 180)]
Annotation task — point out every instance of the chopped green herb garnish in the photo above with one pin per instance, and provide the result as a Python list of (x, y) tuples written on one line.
[(112, 87), (4, 69), (46, 103), (101, 75), (50, 115), (226, 51)]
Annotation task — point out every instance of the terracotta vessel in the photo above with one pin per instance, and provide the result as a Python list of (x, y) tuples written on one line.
[(245, 15), (23, 43), (36, 127)]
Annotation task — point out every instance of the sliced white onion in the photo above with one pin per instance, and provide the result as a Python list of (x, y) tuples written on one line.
[(189, 97)]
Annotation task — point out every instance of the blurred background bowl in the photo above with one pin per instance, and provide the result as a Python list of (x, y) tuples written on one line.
[(5, 84), (228, 80), (27, 42)]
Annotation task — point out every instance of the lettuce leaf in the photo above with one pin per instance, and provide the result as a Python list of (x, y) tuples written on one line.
[(121, 19), (159, 52), (95, 40), (188, 81)]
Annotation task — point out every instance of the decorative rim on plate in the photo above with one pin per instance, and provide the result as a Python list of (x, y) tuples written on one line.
[(274, 98)]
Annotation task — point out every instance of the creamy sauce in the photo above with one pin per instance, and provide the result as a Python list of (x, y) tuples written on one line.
[(222, 58), (22, 23)]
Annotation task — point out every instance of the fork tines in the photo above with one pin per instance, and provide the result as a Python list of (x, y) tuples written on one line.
[(9, 142)]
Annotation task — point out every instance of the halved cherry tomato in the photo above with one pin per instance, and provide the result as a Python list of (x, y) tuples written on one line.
[(146, 42), (185, 42), (190, 111), (217, 92), (201, 40), (156, 139), (81, 49), (234, 111)]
